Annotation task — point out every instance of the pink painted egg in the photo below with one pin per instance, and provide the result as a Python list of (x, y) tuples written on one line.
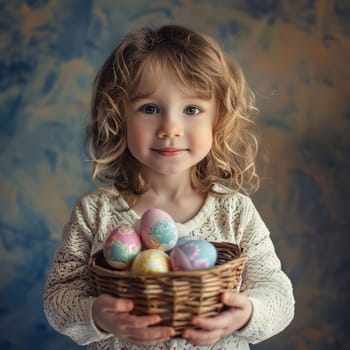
[(121, 246), (151, 261), (195, 254), (158, 230)]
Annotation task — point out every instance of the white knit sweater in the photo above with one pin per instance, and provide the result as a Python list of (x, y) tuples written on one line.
[(68, 296)]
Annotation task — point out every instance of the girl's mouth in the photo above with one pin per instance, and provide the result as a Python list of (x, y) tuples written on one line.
[(169, 152)]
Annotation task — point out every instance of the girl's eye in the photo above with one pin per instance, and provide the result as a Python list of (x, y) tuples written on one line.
[(192, 110), (149, 109)]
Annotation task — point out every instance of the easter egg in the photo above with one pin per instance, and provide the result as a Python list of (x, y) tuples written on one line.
[(151, 260), (195, 254), (182, 240), (158, 230), (121, 246)]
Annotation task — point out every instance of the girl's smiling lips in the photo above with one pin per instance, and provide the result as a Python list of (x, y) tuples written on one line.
[(169, 152)]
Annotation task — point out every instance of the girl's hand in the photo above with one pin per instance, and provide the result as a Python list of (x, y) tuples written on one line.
[(112, 315), (235, 317)]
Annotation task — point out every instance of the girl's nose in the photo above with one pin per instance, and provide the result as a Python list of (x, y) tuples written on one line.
[(169, 128)]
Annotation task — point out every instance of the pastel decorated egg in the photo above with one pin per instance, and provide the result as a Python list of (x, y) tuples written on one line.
[(182, 240), (158, 230), (121, 246), (195, 254), (151, 260)]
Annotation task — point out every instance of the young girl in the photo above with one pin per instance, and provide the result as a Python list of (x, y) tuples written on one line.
[(171, 128)]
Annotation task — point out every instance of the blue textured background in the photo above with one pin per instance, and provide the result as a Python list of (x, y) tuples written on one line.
[(296, 57)]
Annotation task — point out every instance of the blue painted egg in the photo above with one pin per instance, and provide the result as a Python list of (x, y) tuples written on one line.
[(195, 254), (182, 240)]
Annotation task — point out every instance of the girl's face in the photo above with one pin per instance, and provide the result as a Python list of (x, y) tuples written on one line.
[(169, 128)]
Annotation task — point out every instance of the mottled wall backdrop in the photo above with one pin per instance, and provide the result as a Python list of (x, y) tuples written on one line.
[(296, 57)]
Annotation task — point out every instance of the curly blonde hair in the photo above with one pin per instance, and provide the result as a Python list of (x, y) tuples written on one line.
[(200, 64)]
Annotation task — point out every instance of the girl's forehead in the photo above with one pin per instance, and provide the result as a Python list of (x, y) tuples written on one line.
[(152, 73), (151, 76)]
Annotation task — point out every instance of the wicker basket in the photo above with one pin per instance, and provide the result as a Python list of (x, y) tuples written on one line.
[(175, 296)]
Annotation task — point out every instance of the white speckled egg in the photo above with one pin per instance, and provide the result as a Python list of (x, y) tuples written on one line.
[(195, 254), (158, 230), (121, 246), (151, 260)]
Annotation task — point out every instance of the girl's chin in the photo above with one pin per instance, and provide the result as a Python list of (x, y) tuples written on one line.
[(166, 172)]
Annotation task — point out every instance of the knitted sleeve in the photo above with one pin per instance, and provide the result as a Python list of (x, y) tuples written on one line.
[(267, 286), (68, 295)]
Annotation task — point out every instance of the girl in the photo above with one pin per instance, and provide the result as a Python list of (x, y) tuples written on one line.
[(171, 128)]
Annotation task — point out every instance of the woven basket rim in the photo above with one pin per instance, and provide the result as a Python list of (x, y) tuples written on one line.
[(111, 272)]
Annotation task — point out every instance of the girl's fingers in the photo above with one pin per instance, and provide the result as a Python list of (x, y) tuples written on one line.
[(140, 327), (207, 324), (133, 321), (113, 315), (237, 300), (112, 304), (224, 319), (151, 336), (212, 329), (203, 337)]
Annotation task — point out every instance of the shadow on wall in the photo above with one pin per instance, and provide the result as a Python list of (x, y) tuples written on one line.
[(295, 55)]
